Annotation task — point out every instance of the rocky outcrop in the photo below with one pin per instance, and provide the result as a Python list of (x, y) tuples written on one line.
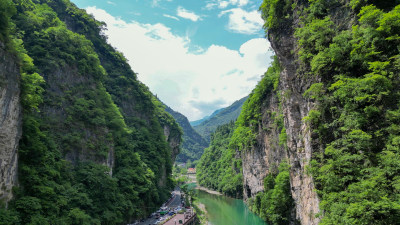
[(62, 90), (295, 107), (174, 142), (10, 122), (265, 156)]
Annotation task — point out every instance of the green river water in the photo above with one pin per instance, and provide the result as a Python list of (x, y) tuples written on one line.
[(222, 210)]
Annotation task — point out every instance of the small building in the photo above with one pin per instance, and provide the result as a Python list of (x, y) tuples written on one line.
[(191, 171)]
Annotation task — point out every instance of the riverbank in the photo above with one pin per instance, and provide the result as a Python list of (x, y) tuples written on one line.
[(208, 190), (201, 212)]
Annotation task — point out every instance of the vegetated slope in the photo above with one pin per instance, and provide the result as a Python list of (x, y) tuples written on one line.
[(216, 169), (322, 125), (193, 144), (198, 122), (97, 147), (219, 117)]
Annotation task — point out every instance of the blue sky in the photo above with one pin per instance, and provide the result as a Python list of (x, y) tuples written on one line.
[(195, 55)]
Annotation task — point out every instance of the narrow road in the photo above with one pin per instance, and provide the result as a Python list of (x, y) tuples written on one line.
[(177, 199), (175, 202)]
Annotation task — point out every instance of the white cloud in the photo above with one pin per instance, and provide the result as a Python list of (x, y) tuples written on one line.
[(242, 21), (186, 14), (155, 3), (171, 17), (194, 84), (211, 5), (111, 3), (222, 4)]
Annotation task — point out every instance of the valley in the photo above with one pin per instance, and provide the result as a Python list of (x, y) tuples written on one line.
[(92, 134)]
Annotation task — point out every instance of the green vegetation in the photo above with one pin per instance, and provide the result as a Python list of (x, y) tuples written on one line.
[(250, 118), (82, 108), (274, 205), (218, 118), (219, 168), (6, 11), (275, 12), (193, 144), (357, 118)]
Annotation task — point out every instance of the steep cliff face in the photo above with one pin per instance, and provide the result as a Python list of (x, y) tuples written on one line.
[(90, 130), (10, 122), (295, 107), (299, 140), (174, 142), (133, 98), (65, 86), (298, 149), (338, 61), (266, 154)]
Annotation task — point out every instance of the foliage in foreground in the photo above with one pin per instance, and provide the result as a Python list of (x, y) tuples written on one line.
[(74, 106), (357, 118), (274, 205)]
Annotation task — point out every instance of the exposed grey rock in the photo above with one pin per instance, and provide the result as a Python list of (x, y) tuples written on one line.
[(265, 156), (173, 141), (10, 123)]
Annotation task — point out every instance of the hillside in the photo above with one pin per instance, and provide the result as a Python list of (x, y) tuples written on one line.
[(193, 144), (82, 140), (219, 117), (198, 122), (317, 140)]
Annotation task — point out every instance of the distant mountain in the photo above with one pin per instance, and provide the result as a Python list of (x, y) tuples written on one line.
[(219, 117), (193, 143), (198, 122)]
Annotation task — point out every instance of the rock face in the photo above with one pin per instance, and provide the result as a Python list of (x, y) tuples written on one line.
[(267, 153), (58, 109), (173, 141), (10, 123), (299, 140)]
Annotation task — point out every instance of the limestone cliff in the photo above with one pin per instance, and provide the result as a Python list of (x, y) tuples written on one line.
[(266, 154), (174, 141), (320, 47), (295, 106), (10, 122), (88, 126)]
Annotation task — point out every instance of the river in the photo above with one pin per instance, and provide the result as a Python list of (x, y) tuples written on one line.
[(222, 210)]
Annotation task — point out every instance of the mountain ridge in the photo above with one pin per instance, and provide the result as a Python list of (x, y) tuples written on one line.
[(220, 117), (193, 144)]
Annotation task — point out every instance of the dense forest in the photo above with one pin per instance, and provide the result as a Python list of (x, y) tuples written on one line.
[(357, 115), (346, 61), (218, 168), (93, 149)]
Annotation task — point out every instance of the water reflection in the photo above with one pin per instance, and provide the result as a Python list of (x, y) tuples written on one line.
[(222, 210)]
